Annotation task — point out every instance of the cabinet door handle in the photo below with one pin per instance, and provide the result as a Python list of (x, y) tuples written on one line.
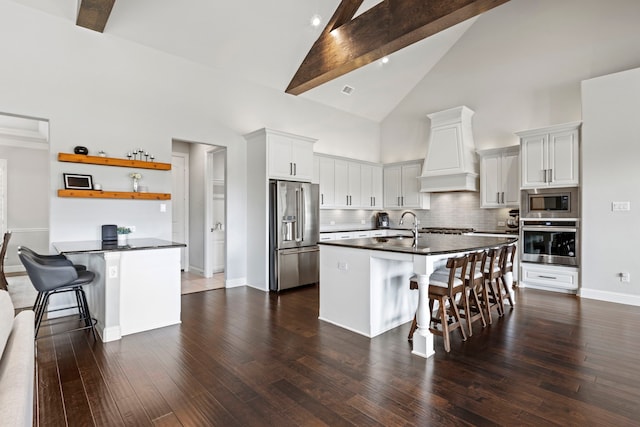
[(295, 169), (399, 201), (550, 171), (503, 197), (498, 197), (290, 168), (547, 277), (322, 199), (544, 176), (402, 200)]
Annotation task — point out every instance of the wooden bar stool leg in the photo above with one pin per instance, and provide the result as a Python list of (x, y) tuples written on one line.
[(445, 324), (456, 315)]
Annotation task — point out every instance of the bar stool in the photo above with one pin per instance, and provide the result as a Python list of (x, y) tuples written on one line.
[(444, 287), (470, 305), (506, 266), (491, 272), (48, 260), (53, 279)]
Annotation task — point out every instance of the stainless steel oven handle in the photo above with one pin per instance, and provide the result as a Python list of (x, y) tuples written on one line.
[(550, 229)]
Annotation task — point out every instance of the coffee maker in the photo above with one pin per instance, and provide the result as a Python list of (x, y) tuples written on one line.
[(382, 220), (514, 218)]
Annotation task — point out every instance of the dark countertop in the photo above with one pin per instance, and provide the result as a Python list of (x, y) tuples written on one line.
[(506, 231), (428, 244), (510, 232), (97, 246)]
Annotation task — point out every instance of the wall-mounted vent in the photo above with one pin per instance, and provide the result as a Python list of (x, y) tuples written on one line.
[(347, 90)]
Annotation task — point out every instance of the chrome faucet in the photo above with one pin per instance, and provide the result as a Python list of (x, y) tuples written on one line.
[(415, 226)]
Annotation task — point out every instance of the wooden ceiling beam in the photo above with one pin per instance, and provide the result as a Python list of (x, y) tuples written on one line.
[(94, 14), (347, 44)]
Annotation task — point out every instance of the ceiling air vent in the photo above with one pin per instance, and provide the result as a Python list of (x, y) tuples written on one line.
[(347, 90)]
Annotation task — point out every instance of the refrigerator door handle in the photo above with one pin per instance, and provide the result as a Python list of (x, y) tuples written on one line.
[(301, 213)]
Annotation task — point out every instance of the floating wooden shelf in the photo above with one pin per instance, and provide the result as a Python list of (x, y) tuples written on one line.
[(110, 161), (94, 194)]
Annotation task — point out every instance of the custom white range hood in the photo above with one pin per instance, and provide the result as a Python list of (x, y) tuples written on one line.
[(451, 163)]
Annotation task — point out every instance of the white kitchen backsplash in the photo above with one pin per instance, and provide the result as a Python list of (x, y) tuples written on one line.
[(456, 209)]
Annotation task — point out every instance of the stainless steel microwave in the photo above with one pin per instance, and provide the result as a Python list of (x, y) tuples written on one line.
[(550, 203)]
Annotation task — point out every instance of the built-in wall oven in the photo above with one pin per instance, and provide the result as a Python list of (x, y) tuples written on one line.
[(550, 226), (553, 241)]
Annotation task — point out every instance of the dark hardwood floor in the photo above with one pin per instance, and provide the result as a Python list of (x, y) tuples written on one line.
[(242, 358)]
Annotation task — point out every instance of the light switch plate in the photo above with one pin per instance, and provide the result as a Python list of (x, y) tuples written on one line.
[(620, 206)]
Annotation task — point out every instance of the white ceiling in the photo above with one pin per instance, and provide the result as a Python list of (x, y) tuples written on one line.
[(267, 45)]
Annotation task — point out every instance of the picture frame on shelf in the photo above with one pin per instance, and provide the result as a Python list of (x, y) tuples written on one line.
[(74, 181)]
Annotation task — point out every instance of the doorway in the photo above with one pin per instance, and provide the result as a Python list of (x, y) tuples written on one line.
[(199, 211), (215, 211)]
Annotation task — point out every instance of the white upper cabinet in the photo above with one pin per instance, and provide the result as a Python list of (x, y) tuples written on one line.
[(550, 156), (402, 186), (348, 184), (289, 157), (371, 186), (324, 168), (500, 177)]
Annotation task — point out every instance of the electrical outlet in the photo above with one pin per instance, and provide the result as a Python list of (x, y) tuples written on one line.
[(113, 272), (343, 266), (501, 224), (625, 277)]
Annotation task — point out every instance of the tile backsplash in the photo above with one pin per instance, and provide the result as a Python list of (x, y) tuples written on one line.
[(456, 209)]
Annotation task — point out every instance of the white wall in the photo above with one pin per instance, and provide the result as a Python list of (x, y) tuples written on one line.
[(518, 67), (610, 173)]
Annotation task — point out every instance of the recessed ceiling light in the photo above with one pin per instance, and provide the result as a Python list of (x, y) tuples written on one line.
[(316, 20), (347, 90), (385, 60)]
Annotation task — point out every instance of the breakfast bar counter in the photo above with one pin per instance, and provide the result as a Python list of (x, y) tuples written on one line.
[(137, 286), (364, 283)]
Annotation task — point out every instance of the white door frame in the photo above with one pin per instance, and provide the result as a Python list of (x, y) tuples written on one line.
[(3, 195), (208, 206), (186, 207)]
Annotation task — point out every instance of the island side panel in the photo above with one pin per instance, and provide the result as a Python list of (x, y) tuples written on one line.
[(149, 289), (344, 288), (393, 303)]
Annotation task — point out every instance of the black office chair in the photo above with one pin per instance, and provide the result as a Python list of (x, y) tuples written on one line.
[(49, 279)]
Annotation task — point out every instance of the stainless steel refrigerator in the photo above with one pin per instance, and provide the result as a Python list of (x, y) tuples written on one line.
[(294, 255)]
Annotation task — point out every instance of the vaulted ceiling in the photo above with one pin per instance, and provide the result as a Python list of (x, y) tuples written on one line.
[(269, 44)]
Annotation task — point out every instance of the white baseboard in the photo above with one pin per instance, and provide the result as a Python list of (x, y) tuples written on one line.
[(255, 287), (610, 296), (235, 283), (546, 288), (196, 270), (18, 268)]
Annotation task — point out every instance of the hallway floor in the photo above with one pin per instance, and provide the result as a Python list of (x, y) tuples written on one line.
[(195, 283)]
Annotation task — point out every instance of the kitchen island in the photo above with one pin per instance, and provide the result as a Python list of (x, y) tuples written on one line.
[(137, 286), (364, 283)]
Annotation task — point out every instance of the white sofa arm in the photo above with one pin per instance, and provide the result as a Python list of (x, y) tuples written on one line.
[(17, 373)]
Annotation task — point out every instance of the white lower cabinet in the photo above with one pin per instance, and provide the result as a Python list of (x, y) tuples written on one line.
[(549, 277)]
